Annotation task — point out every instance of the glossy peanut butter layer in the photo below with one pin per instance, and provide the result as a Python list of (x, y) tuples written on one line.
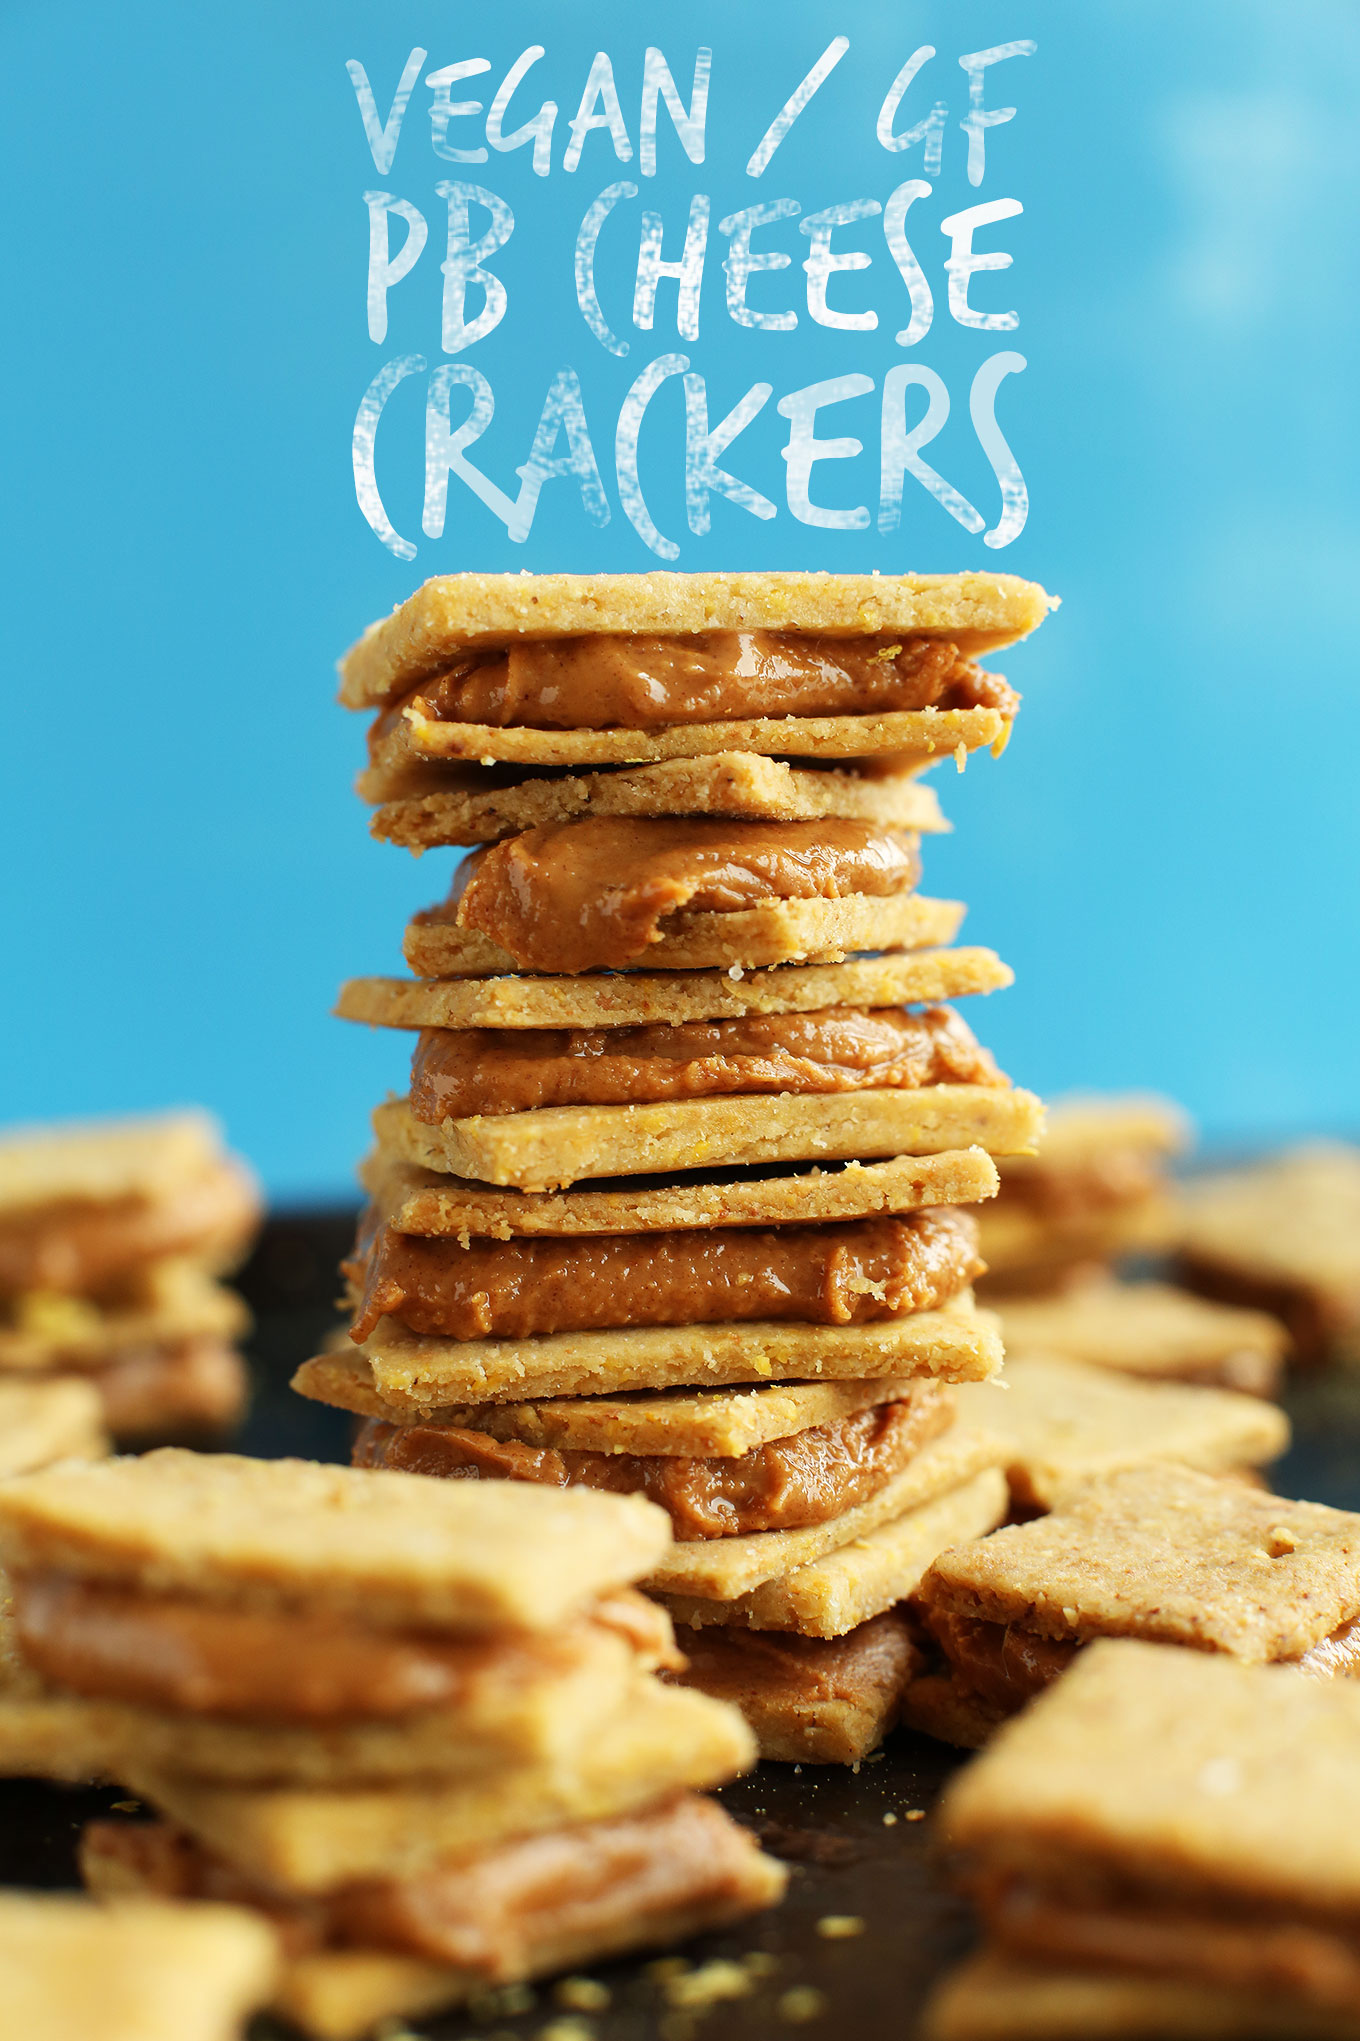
[(592, 895), (645, 683), (458, 1072), (682, 1864), (807, 1478), (115, 1644), (845, 1274)]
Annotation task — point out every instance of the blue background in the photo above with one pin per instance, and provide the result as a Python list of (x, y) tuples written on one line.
[(1167, 854)]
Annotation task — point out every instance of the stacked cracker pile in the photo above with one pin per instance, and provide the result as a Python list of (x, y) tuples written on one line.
[(112, 1237), (413, 1724), (677, 1201), (1064, 1221)]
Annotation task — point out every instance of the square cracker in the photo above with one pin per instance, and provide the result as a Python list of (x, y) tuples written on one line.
[(808, 1699), (688, 1423), (549, 1147), (1293, 1221), (430, 805), (860, 1579), (451, 614), (389, 1548), (99, 1161), (909, 736), (661, 1740), (414, 1377), (1084, 1127), (416, 1200), (132, 1970), (776, 932), (993, 1997), (724, 1569), (1153, 1330), (1064, 1421), (617, 999), (45, 1421), (1166, 1554), (1224, 1781)]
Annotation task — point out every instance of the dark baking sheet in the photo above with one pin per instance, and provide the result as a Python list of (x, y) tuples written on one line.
[(826, 1821)]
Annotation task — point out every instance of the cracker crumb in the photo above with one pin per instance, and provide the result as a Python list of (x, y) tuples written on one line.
[(915, 1814), (583, 1995), (840, 1927), (1280, 1540), (803, 2003), (890, 1819), (762, 1366), (708, 1985), (735, 971)]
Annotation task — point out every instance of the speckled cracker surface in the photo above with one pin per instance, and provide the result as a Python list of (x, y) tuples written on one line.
[(135, 1970), (1169, 1555), (1150, 1329), (662, 1739), (643, 998), (433, 804), (97, 1161), (1295, 1219), (871, 1573), (392, 1548), (414, 1376), (993, 1997), (808, 1699), (722, 1569), (453, 613), (1240, 1781), (45, 1421), (749, 939), (550, 1147), (416, 1200), (1063, 1420)]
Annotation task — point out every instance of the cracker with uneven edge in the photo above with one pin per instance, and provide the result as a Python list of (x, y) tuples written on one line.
[(550, 1147), (809, 1700), (1240, 1781), (1083, 1127), (45, 1421), (414, 1376), (132, 1970), (617, 999), (696, 1424), (1169, 1555), (415, 1200), (1153, 1330), (393, 1549), (724, 1569), (872, 1573), (994, 1997), (1064, 1421), (776, 932), (1293, 1220), (426, 806), (180, 1301), (910, 736), (455, 613), (99, 1161), (938, 1704), (660, 1740), (509, 1715)]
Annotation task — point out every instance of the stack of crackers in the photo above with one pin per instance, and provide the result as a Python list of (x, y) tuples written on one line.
[(1065, 1220), (414, 1725), (678, 1201), (112, 1238)]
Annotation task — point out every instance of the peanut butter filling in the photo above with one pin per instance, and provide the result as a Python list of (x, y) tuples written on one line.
[(592, 895), (645, 683), (207, 1658), (99, 1249), (841, 1274), (1120, 1176), (188, 1386), (458, 1072), (501, 1914), (804, 1479)]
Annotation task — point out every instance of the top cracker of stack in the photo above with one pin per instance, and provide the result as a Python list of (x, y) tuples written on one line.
[(662, 1004)]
